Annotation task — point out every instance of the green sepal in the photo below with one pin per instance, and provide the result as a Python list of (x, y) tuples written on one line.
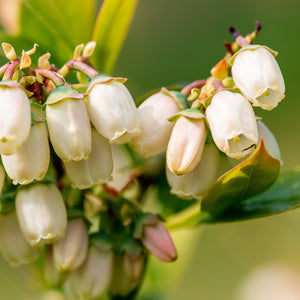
[(131, 246), (13, 84), (248, 179), (180, 99), (101, 241), (144, 219), (76, 213), (189, 113), (7, 203), (103, 78), (251, 48), (63, 93)]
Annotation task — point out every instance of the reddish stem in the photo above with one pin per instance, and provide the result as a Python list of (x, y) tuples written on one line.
[(53, 76), (196, 84), (9, 73), (81, 66)]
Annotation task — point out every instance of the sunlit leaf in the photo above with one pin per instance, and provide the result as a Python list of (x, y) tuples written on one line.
[(56, 25), (282, 196), (110, 31), (251, 177)]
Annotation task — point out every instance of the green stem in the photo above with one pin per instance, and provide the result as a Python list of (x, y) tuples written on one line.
[(188, 217)]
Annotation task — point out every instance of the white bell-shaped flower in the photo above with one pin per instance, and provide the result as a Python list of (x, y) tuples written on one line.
[(257, 74), (13, 245), (92, 279), (112, 110), (122, 172), (186, 142), (2, 178), (195, 183), (70, 251), (41, 213), (153, 116), (232, 123), (68, 124), (15, 117), (269, 140), (97, 169), (31, 161)]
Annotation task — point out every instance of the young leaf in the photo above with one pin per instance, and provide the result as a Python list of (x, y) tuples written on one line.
[(282, 196), (110, 31), (251, 177)]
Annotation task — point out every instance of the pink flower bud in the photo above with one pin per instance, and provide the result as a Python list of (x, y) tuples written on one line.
[(186, 143), (157, 239)]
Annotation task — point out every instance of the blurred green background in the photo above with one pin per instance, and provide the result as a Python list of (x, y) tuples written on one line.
[(173, 41)]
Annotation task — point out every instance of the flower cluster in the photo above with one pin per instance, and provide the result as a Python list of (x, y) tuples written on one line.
[(77, 160), (62, 177), (221, 110)]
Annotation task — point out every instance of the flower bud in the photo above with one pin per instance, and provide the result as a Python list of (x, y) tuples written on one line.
[(232, 123), (31, 161), (41, 213), (92, 279), (70, 251), (13, 245), (15, 117), (127, 273), (269, 140), (186, 142), (68, 124), (195, 183), (97, 169), (157, 239), (112, 110), (257, 74), (153, 116), (52, 275)]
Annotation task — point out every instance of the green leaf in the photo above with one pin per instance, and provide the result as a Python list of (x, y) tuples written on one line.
[(250, 178), (110, 31), (282, 196), (56, 25)]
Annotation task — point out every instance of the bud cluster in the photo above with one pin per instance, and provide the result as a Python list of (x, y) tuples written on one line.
[(73, 192)]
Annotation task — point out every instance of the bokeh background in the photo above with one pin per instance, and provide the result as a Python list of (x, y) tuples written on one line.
[(175, 41)]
